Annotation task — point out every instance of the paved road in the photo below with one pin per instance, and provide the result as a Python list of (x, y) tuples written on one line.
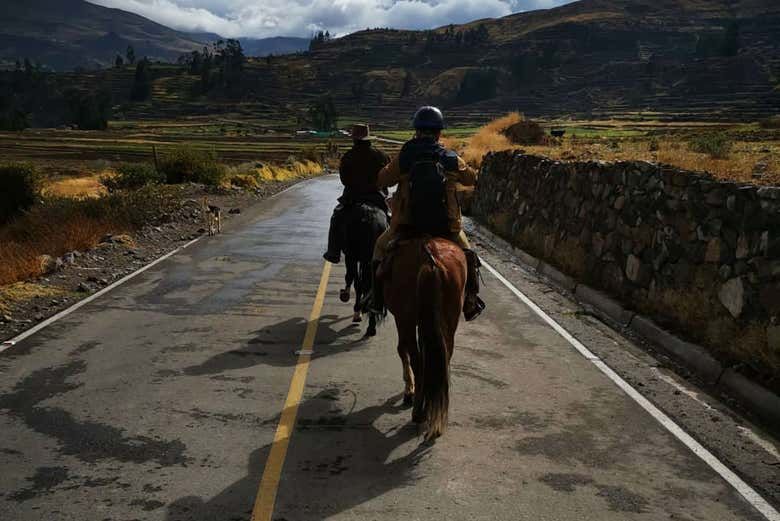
[(160, 401)]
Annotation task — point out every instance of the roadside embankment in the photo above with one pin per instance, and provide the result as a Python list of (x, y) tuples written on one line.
[(61, 249), (701, 257)]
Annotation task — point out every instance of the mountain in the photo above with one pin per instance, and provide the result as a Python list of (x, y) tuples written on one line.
[(592, 58), (260, 47), (64, 34), (275, 45), (651, 59)]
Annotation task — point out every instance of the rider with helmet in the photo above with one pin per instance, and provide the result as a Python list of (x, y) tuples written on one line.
[(427, 176), (358, 171)]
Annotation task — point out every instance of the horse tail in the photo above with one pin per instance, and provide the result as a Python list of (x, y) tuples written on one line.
[(431, 337)]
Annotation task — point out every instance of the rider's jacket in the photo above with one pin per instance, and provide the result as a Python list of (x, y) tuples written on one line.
[(358, 171), (397, 172)]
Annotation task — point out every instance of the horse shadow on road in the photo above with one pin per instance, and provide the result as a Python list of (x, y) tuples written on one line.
[(335, 462), (275, 345)]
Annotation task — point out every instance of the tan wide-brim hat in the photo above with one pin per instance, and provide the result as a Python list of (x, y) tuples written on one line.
[(361, 132)]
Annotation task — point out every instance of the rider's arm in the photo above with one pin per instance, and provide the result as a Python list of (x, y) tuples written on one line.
[(390, 174), (465, 175), (344, 168)]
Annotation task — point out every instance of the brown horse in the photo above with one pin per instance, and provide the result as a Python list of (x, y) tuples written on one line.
[(424, 292)]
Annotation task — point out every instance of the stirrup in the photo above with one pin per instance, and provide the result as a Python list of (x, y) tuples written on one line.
[(476, 308)]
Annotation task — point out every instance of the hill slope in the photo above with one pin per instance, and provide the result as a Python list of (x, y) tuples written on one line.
[(701, 58), (654, 59), (260, 47), (64, 34)]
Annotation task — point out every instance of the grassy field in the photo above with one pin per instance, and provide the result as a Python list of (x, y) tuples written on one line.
[(73, 161), (752, 155), (240, 139)]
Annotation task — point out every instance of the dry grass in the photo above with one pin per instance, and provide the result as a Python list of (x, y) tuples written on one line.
[(251, 175), (76, 187), (487, 139), (739, 166), (25, 291), (673, 150), (20, 256), (60, 225)]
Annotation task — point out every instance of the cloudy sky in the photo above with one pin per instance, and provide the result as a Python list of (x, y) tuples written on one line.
[(262, 18)]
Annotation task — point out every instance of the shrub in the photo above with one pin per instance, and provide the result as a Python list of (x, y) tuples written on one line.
[(310, 153), (59, 225), (477, 85), (187, 165), (130, 176), (526, 132), (19, 187), (245, 181), (654, 145), (490, 138), (772, 122), (717, 145)]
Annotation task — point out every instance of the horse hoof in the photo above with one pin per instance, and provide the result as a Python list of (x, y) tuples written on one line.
[(357, 317), (344, 295), (408, 400), (371, 333)]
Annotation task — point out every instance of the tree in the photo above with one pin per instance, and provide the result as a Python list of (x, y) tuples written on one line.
[(319, 38), (724, 44), (89, 110), (231, 60), (730, 45), (406, 90), (119, 62), (358, 91), (205, 70), (142, 83), (130, 55), (322, 114), (12, 116), (477, 85)]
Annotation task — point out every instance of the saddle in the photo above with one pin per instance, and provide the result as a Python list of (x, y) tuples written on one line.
[(404, 237), (374, 200)]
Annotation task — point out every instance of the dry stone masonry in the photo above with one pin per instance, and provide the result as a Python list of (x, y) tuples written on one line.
[(700, 256)]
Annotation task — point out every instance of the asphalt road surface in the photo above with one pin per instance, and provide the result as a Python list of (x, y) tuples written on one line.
[(163, 399)]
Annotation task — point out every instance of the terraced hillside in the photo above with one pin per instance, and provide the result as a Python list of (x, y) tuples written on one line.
[(634, 60)]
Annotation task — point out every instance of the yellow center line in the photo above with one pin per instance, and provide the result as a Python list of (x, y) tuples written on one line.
[(269, 485)]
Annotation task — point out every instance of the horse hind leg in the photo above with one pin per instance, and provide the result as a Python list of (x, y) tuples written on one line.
[(349, 279), (407, 343), (371, 331)]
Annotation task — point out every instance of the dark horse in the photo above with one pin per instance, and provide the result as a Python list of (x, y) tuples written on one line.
[(424, 290), (363, 224)]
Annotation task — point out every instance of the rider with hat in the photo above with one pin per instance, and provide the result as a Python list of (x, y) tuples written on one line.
[(417, 155), (358, 171)]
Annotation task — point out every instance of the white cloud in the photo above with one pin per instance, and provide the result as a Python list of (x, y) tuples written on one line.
[(262, 18)]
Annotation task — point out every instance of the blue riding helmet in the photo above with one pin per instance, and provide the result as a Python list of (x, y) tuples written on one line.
[(428, 118)]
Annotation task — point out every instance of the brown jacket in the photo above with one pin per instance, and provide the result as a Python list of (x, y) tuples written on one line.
[(359, 168), (391, 175)]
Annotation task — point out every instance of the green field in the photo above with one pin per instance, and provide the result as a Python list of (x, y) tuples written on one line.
[(234, 140)]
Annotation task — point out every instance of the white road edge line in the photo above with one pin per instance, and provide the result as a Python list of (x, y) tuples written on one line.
[(65, 312), (5, 346), (747, 492)]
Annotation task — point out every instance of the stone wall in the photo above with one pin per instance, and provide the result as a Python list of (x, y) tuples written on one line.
[(700, 256)]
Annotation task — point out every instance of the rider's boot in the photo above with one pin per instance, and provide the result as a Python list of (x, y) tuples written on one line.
[(473, 306), (376, 304), (334, 249)]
